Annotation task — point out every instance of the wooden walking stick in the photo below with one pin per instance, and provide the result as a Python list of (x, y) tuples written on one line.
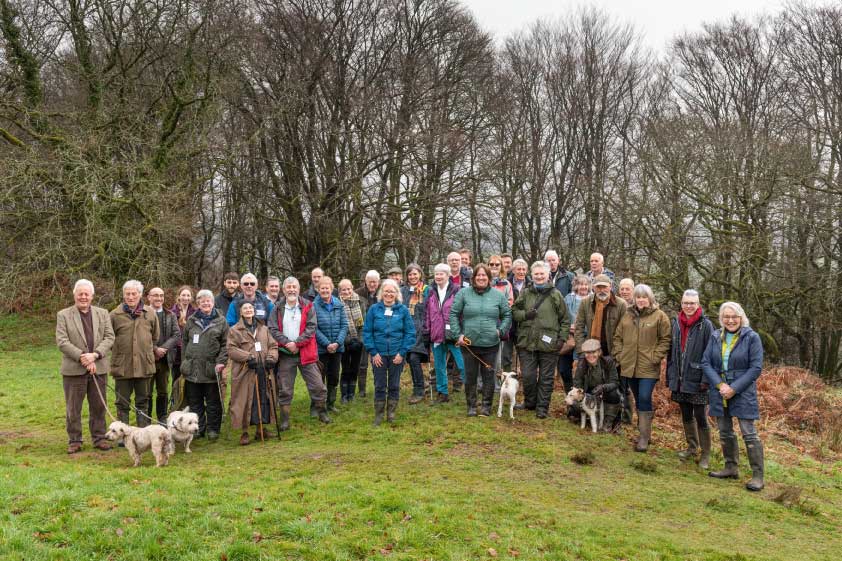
[(257, 397), (270, 387)]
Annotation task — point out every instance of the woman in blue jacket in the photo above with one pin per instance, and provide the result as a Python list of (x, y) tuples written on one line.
[(732, 363), (331, 330), (388, 335)]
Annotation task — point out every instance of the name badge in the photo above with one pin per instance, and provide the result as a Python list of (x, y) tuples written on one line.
[(466, 284), (435, 345), (412, 289), (447, 327), (195, 338), (260, 313), (387, 313), (547, 339), (257, 346)]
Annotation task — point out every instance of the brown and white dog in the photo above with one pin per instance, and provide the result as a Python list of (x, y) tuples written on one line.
[(590, 404), (508, 390), (139, 440)]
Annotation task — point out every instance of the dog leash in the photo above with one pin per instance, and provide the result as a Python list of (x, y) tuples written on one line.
[(105, 403), (468, 348)]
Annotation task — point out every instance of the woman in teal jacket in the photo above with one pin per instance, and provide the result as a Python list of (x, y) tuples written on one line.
[(480, 316), (388, 334)]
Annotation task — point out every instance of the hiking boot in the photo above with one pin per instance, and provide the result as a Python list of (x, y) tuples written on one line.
[(379, 409), (485, 411), (472, 411), (754, 451), (321, 412), (391, 407), (74, 447), (213, 435), (443, 398), (520, 407), (610, 419), (415, 399), (284, 411), (731, 453), (314, 411), (691, 434), (644, 425), (244, 439), (103, 445), (704, 444), (331, 399)]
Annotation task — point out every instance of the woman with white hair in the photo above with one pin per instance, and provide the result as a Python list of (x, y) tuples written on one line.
[(641, 342), (732, 363), (690, 335), (388, 334)]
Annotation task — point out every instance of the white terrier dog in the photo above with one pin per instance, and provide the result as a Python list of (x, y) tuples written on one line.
[(139, 440), (183, 426), (591, 405), (508, 390)]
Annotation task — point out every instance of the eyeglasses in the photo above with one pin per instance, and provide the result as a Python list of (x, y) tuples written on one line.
[(730, 318), (249, 283), (689, 303), (495, 264)]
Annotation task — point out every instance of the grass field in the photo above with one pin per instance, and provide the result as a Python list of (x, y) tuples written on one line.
[(435, 485)]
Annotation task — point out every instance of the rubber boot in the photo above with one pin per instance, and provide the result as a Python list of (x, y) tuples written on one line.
[(321, 412), (284, 411), (471, 399), (754, 451), (379, 409), (331, 399), (161, 403), (391, 407), (704, 444), (731, 453), (691, 433), (644, 425), (314, 412), (611, 412)]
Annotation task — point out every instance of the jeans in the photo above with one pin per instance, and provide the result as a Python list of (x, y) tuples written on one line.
[(387, 378), (475, 369), (747, 429), (440, 359), (417, 372), (642, 389)]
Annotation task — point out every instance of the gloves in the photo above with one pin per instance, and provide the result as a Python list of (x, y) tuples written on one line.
[(270, 364), (252, 363), (599, 390), (532, 314)]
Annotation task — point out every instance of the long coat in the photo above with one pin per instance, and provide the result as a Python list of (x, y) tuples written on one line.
[(70, 338), (199, 359), (744, 366), (133, 355), (241, 347), (684, 369), (641, 342)]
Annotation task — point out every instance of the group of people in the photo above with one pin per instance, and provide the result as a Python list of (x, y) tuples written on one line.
[(607, 337)]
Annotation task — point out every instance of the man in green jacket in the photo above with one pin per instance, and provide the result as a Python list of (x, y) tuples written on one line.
[(542, 328)]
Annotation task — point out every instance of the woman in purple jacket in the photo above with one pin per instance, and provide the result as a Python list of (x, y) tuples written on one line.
[(437, 331)]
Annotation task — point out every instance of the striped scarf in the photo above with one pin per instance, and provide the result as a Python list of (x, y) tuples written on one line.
[(416, 297), (354, 313)]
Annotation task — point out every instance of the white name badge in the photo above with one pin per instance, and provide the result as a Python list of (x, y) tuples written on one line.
[(260, 313), (447, 327), (387, 313), (466, 284), (195, 338), (435, 345), (412, 289), (547, 339), (257, 346)]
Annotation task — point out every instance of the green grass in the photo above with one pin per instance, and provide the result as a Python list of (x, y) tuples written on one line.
[(435, 485)]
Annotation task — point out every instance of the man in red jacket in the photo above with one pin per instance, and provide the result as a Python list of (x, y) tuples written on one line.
[(293, 325)]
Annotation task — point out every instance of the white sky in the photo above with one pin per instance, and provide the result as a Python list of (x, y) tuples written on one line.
[(656, 20)]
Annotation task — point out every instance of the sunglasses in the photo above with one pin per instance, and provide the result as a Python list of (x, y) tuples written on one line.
[(495, 264), (249, 283)]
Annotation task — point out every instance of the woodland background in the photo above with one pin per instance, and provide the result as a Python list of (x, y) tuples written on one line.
[(173, 140)]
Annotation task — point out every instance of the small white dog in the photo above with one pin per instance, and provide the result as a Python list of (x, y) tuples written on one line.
[(508, 390), (591, 405), (139, 440), (183, 426)]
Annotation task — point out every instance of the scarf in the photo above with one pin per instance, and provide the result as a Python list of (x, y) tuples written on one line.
[(205, 319), (251, 326), (599, 314), (416, 297), (182, 314), (354, 313), (134, 313), (685, 323)]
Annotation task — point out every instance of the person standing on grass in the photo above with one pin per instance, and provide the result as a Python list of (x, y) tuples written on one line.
[(205, 344), (732, 363), (166, 347), (331, 330), (479, 317), (641, 342), (355, 309), (438, 331), (368, 295), (84, 336), (388, 335), (543, 326), (182, 309), (230, 290), (253, 353), (414, 294), (136, 331), (520, 281), (691, 332)]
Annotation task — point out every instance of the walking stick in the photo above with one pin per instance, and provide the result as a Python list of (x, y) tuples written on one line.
[(257, 397), (270, 387), (221, 399)]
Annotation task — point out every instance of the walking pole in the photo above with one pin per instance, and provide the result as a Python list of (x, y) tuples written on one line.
[(270, 387), (257, 397), (221, 399)]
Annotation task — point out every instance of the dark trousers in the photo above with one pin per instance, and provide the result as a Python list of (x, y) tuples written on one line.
[(76, 389), (642, 389), (159, 382), (175, 371), (350, 369), (565, 370), (628, 398), (689, 411), (362, 375), (474, 370), (331, 362), (538, 371), (387, 379), (507, 355), (124, 387), (203, 399), (416, 371)]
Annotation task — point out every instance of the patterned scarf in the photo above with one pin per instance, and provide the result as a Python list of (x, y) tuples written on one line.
[(134, 313), (354, 313), (416, 297)]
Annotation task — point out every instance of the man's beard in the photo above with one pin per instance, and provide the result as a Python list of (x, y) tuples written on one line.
[(603, 296)]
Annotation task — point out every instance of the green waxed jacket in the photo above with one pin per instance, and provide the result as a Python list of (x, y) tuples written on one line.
[(548, 331)]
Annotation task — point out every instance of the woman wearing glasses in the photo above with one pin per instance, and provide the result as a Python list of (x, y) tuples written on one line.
[(732, 363), (690, 335)]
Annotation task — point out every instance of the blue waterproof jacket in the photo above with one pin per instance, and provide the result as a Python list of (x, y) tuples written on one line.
[(331, 325), (388, 335), (744, 366)]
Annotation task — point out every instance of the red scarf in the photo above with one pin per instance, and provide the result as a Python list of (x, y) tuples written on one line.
[(685, 323)]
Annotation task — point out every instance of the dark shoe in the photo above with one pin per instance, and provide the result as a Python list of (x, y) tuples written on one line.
[(361, 393), (266, 435), (611, 413), (416, 399), (213, 435), (472, 411), (74, 447), (321, 412), (520, 407), (443, 398), (331, 399), (754, 451), (731, 453), (379, 409), (284, 417), (644, 425), (121, 444), (485, 411), (691, 434), (457, 388), (103, 445), (314, 411), (391, 407), (541, 414), (704, 444), (244, 439)]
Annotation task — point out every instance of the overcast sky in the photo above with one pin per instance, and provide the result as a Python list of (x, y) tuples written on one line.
[(656, 20)]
